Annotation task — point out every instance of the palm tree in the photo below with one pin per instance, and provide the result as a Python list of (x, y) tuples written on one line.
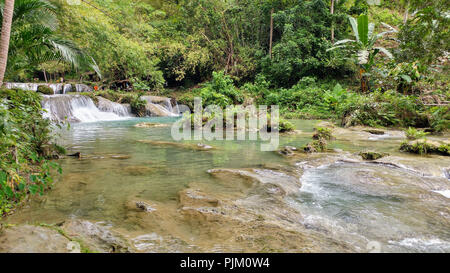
[(34, 42), (364, 45), (8, 11)]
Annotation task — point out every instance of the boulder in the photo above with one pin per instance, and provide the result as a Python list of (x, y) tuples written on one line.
[(371, 155)]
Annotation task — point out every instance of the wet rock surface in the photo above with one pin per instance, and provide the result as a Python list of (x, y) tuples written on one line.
[(32, 239), (98, 237), (150, 125)]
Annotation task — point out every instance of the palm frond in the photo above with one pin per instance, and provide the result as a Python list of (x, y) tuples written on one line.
[(354, 25), (385, 52)]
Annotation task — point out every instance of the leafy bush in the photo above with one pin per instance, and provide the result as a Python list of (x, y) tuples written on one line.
[(319, 143), (138, 106), (221, 91), (413, 133), (323, 133), (285, 126), (25, 147)]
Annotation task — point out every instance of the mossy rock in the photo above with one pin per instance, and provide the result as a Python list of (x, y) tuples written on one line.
[(287, 151), (323, 133), (371, 155), (44, 89), (424, 146), (316, 146)]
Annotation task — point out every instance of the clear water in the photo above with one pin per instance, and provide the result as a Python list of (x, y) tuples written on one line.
[(355, 204)]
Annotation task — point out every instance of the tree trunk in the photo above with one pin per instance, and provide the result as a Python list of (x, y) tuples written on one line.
[(4, 40), (405, 17), (332, 22), (271, 33), (364, 81)]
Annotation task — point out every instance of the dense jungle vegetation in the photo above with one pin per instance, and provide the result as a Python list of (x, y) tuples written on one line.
[(375, 63)]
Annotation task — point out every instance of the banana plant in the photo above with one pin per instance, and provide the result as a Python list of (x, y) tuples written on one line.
[(364, 45)]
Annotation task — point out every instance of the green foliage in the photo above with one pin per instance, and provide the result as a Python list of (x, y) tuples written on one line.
[(34, 42), (25, 147), (407, 75), (319, 143), (424, 147), (302, 47), (323, 133), (285, 126), (426, 35), (413, 133), (221, 91), (138, 106), (45, 90)]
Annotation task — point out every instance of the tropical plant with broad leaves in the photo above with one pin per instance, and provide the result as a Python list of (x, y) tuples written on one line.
[(364, 45), (33, 40)]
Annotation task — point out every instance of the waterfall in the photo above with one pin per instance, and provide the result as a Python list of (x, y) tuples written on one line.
[(77, 108), (105, 105), (58, 88), (160, 106)]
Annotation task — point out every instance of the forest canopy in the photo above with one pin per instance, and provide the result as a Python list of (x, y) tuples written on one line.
[(149, 45)]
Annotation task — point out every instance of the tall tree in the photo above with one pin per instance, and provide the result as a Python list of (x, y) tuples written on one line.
[(4, 40), (332, 21)]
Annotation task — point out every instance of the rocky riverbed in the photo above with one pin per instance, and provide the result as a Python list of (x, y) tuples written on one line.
[(164, 196)]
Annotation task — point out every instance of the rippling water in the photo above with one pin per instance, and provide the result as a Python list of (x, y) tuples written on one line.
[(358, 204)]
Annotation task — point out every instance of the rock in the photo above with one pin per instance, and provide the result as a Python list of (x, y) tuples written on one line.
[(374, 131), (96, 236), (204, 146), (144, 206), (371, 155), (198, 147), (447, 173), (120, 157), (138, 170), (32, 239), (265, 179), (425, 146), (288, 151), (77, 154), (195, 198), (150, 125)]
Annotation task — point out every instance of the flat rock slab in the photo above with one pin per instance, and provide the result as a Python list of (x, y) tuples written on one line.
[(33, 239)]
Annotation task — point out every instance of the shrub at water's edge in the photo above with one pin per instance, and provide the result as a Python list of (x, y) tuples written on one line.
[(26, 147)]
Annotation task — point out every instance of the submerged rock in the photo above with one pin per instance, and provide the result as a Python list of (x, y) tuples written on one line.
[(138, 170), (286, 184), (150, 125), (371, 155), (189, 146), (194, 197), (120, 157), (288, 151), (96, 236), (32, 239)]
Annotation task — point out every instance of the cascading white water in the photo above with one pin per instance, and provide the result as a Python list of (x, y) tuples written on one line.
[(58, 88), (160, 106), (77, 108), (106, 105)]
